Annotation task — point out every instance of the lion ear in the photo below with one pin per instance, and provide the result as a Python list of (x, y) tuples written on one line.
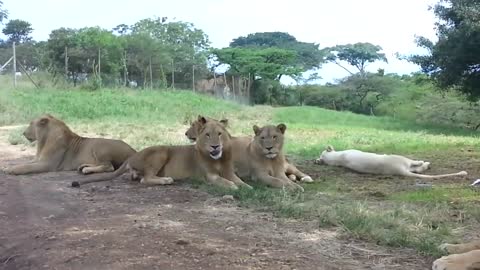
[(202, 120), (257, 130), (43, 121), (282, 128), (330, 148), (224, 122)]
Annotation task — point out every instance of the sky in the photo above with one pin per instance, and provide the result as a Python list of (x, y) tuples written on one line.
[(390, 24)]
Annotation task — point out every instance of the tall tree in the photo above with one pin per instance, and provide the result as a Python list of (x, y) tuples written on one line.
[(18, 31), (454, 60), (358, 55), (308, 56)]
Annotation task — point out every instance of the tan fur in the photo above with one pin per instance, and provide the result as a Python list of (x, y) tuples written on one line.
[(463, 257), (210, 158), (263, 158), (240, 144), (59, 149)]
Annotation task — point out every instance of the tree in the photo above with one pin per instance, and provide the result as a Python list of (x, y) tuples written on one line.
[(358, 55), (18, 31), (265, 66), (454, 60), (308, 56), (3, 12)]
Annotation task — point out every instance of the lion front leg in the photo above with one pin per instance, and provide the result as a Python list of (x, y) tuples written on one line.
[(92, 168), (230, 175), (461, 248), (464, 261), (297, 174), (34, 167), (220, 181), (278, 182)]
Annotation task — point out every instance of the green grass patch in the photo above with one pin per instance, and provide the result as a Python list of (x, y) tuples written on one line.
[(446, 193)]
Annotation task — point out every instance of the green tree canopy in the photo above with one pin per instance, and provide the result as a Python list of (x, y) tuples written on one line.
[(454, 60), (308, 56), (18, 31), (267, 63), (358, 55)]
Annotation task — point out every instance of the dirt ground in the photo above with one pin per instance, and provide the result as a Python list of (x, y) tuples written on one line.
[(45, 224)]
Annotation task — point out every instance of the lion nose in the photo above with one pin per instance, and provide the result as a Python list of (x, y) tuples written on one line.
[(215, 147), (186, 134), (269, 148)]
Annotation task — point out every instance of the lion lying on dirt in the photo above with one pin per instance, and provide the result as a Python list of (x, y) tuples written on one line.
[(210, 158), (59, 149), (463, 257), (364, 162), (240, 144), (263, 160)]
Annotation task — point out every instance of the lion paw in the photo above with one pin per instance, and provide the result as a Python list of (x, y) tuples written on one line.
[(81, 169), (306, 179), (8, 170), (292, 177), (452, 262)]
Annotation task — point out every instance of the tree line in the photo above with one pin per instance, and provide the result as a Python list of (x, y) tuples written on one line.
[(159, 53)]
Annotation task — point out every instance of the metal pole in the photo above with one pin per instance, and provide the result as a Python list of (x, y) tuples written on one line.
[(14, 67), (193, 78)]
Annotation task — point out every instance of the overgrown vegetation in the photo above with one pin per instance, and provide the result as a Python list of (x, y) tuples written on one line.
[(388, 211)]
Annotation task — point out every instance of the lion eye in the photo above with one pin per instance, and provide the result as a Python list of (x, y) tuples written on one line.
[(208, 135), (263, 138), (274, 137), (219, 134)]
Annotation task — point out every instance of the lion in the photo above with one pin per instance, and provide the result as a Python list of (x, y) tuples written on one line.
[(60, 149), (241, 143), (210, 158), (462, 257), (364, 162), (263, 160)]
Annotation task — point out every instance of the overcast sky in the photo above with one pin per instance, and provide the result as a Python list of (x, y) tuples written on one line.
[(390, 24)]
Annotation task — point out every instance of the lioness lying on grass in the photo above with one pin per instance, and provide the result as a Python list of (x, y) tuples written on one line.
[(364, 162), (239, 146), (210, 159), (59, 149), (463, 257)]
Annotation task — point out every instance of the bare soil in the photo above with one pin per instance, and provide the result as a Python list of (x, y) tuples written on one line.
[(45, 224)]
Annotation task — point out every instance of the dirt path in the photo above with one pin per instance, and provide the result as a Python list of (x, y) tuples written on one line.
[(121, 225)]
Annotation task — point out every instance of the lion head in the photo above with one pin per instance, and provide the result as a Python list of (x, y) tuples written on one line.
[(269, 139), (43, 127), (192, 132), (324, 155), (213, 137)]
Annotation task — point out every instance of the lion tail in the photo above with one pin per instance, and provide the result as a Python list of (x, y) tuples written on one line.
[(102, 176)]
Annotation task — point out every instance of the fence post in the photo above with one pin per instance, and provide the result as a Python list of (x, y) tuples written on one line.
[(14, 67), (173, 74), (66, 62), (193, 78)]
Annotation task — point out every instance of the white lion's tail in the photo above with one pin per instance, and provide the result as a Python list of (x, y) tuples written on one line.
[(424, 176)]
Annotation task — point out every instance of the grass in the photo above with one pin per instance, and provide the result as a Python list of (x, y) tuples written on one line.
[(389, 211)]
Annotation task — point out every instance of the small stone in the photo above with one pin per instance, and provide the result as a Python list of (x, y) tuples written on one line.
[(182, 242), (228, 198)]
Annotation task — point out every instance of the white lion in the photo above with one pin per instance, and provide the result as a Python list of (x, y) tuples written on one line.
[(365, 162)]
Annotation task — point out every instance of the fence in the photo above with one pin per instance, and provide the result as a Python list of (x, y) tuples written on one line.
[(154, 76)]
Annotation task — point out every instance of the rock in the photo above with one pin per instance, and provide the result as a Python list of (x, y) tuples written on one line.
[(228, 198), (182, 242)]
